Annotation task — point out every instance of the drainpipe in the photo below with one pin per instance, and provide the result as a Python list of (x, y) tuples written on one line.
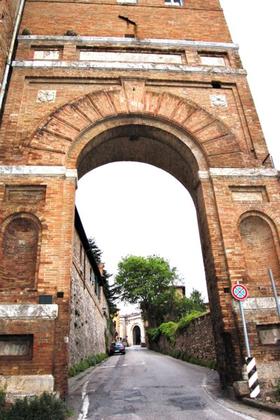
[(10, 55)]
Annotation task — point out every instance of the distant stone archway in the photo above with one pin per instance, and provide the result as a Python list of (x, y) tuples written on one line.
[(136, 335)]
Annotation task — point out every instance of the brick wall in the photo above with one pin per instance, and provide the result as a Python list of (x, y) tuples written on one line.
[(196, 121), (197, 20), (8, 10)]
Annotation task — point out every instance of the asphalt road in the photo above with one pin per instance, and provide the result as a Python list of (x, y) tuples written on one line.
[(146, 385)]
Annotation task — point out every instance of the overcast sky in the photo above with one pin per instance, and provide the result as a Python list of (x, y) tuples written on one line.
[(142, 210)]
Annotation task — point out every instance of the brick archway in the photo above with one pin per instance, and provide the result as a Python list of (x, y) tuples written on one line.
[(176, 135), (56, 135), (137, 122)]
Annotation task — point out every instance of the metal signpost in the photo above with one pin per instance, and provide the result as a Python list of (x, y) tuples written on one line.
[(274, 290), (240, 293)]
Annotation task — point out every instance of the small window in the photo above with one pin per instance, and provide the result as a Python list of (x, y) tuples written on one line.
[(173, 2), (81, 253), (46, 54), (97, 287), (213, 60), (16, 346), (269, 334), (127, 1)]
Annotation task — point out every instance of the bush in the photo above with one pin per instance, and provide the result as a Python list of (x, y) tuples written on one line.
[(153, 334), (26, 31), (277, 391), (70, 32), (86, 363), (43, 407), (2, 401), (187, 319), (168, 329)]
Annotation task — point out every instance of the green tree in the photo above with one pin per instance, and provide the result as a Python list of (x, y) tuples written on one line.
[(110, 291), (185, 305), (95, 250), (147, 281)]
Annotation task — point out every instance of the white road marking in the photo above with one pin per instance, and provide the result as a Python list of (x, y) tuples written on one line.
[(135, 364), (85, 403), (106, 367), (221, 402)]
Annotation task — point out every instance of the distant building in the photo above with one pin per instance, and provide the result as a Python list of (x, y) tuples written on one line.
[(130, 327), (180, 290)]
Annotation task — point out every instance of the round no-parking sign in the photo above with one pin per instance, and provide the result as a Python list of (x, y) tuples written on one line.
[(239, 292)]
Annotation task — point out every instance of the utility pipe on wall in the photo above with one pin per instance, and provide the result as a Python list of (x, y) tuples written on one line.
[(10, 54)]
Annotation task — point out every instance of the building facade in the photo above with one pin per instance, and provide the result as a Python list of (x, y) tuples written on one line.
[(28, 330), (159, 82), (130, 327), (89, 333)]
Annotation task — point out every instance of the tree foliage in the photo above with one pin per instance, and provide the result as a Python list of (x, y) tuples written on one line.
[(147, 281), (95, 250), (185, 305)]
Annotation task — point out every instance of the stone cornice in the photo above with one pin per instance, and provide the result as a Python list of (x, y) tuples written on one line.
[(28, 311), (238, 172), (72, 173), (38, 171), (176, 43), (94, 65)]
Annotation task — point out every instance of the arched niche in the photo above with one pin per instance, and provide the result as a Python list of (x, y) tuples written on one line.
[(19, 251), (259, 245)]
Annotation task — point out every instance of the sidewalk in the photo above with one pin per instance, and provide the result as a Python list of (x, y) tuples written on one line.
[(252, 407)]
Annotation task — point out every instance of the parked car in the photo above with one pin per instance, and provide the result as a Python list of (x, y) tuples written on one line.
[(117, 348)]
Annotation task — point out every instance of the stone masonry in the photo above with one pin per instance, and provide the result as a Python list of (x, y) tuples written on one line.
[(154, 82), (195, 341), (89, 308)]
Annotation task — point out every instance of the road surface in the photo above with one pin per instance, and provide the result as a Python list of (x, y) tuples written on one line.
[(146, 385)]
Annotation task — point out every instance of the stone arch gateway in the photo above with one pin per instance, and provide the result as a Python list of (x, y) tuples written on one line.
[(167, 107)]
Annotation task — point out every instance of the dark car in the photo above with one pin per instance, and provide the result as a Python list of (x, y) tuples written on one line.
[(117, 348)]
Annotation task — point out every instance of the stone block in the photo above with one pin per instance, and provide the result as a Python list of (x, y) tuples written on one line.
[(241, 388), (17, 386)]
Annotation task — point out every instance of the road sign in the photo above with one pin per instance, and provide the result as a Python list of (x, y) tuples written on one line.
[(239, 292)]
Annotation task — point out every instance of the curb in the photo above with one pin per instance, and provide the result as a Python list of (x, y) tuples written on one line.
[(229, 393), (264, 406), (75, 382)]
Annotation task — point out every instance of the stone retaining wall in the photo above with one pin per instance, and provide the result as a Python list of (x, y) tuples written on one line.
[(195, 342)]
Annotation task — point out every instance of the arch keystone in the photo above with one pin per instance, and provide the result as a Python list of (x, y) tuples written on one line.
[(134, 91)]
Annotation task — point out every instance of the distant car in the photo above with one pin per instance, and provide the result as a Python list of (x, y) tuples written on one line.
[(117, 348)]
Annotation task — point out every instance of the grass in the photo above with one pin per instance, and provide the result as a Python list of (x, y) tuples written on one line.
[(171, 329), (86, 363)]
